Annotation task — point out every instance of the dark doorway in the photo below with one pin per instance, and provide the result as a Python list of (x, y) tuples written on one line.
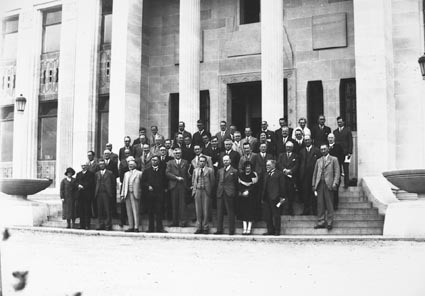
[(314, 101), (347, 102), (246, 106)]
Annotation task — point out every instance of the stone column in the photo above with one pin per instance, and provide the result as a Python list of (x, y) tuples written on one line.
[(375, 86), (86, 57), (67, 64), (126, 65), (189, 51), (27, 79), (272, 61)]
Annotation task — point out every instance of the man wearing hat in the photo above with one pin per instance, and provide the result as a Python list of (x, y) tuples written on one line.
[(131, 192), (103, 193)]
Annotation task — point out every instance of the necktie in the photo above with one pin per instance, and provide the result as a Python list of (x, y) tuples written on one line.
[(289, 155), (222, 134), (202, 172)]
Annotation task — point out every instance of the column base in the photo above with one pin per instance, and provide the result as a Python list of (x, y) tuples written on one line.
[(18, 211), (405, 219)]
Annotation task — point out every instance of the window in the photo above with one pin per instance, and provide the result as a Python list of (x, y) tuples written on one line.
[(348, 101), (204, 108), (106, 21), (249, 11), (102, 124), (47, 129), (6, 132), (10, 38), (52, 30)]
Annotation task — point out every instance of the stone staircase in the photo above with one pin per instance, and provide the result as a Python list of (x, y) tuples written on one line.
[(355, 216)]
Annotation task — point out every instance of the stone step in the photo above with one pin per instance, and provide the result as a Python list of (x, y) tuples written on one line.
[(350, 189), (357, 211), (352, 199), (350, 194), (354, 205)]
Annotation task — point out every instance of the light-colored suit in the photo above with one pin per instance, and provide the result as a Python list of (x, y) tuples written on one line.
[(325, 180), (238, 147), (202, 194), (131, 191)]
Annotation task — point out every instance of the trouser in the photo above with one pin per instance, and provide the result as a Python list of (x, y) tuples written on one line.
[(346, 167), (132, 205), (84, 202), (178, 202), (228, 202), (113, 204), (336, 198), (202, 207), (167, 207), (123, 212), (290, 195), (93, 205), (325, 210), (309, 200), (272, 214), (104, 210), (154, 203)]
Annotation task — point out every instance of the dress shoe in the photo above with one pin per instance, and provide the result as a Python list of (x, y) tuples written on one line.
[(320, 226), (198, 231), (108, 228), (267, 233), (149, 231), (218, 232), (100, 228), (129, 230), (68, 226), (162, 231), (136, 230), (277, 233), (329, 227), (232, 233), (182, 224), (206, 231)]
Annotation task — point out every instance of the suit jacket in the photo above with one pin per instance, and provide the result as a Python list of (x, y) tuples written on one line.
[(298, 146), (156, 180), (173, 171), (121, 153), (152, 139), (320, 135), (137, 141), (135, 179), (274, 186), (155, 150), (197, 138), (238, 147), (222, 138), (279, 132), (144, 161), (122, 169), (209, 180), (112, 166), (195, 163), (87, 181), (291, 163), (345, 139), (215, 157), (263, 161), (308, 161), (271, 148), (137, 150), (227, 182), (336, 150), (188, 153), (271, 137), (234, 158), (93, 166), (280, 144), (252, 141), (114, 157), (254, 159), (331, 170), (163, 162), (109, 181), (184, 133)]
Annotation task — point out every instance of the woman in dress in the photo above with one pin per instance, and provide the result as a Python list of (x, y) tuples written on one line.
[(247, 196), (68, 194)]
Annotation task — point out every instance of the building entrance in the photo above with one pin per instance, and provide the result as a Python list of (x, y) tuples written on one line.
[(246, 106)]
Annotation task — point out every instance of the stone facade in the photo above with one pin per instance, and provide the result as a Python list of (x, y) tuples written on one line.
[(375, 42)]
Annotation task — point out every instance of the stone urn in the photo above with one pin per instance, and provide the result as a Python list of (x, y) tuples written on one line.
[(412, 181), (15, 208)]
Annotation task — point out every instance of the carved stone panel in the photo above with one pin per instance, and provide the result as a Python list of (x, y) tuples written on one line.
[(49, 76)]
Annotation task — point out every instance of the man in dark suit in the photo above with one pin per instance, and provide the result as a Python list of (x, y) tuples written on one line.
[(298, 140), (264, 157), (214, 153), (337, 151), (288, 163), (163, 159), (270, 148), (234, 156), (250, 139), (142, 132), (154, 181), (103, 193), (207, 145), (344, 138), (112, 165), (226, 193), (273, 193), (114, 156), (121, 154), (270, 135), (182, 131), (223, 134), (320, 132), (187, 150), (202, 185), (308, 157), (325, 180), (177, 174), (85, 182), (93, 167), (248, 155), (138, 148), (144, 161), (282, 138), (283, 122), (197, 137)]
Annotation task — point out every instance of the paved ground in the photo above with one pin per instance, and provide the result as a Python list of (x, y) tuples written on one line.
[(60, 264)]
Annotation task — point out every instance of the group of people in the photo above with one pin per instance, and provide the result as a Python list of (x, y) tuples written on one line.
[(250, 178)]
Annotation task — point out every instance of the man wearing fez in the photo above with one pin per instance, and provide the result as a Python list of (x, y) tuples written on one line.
[(131, 192), (154, 181), (104, 191), (202, 184), (85, 183), (325, 181), (226, 193), (177, 174)]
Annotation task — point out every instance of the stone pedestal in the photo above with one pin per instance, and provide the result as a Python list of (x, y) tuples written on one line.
[(189, 52), (272, 56), (18, 211), (375, 86), (126, 67), (405, 219)]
